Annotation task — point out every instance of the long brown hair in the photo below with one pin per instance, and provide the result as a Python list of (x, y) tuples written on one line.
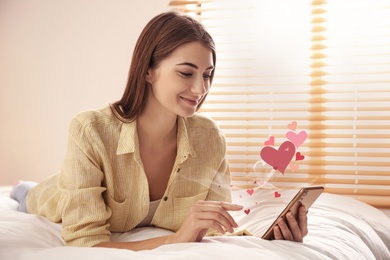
[(160, 37)]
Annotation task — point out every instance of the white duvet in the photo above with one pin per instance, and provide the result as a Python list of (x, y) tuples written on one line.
[(339, 228)]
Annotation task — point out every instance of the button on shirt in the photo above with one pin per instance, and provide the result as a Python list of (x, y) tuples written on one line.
[(102, 186)]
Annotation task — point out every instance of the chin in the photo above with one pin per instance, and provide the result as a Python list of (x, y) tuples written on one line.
[(187, 113)]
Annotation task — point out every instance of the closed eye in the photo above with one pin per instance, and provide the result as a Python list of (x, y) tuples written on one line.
[(185, 74)]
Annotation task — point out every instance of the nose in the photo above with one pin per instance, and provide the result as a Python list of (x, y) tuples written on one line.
[(201, 86)]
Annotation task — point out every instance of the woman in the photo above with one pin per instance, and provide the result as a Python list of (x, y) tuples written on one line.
[(149, 159)]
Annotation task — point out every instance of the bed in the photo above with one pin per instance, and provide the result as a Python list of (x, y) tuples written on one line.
[(339, 228)]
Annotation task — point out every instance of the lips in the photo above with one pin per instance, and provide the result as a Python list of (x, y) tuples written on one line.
[(191, 101)]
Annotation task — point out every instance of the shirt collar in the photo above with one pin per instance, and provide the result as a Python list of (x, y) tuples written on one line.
[(184, 148), (128, 139)]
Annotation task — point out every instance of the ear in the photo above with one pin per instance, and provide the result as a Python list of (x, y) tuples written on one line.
[(149, 76)]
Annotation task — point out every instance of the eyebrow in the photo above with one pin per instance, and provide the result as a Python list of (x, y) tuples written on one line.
[(193, 65)]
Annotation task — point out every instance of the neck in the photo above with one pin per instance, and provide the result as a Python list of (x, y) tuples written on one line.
[(156, 131)]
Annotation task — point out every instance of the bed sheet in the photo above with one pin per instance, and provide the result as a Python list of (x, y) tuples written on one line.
[(339, 228)]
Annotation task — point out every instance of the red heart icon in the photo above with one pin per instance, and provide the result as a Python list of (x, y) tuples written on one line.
[(278, 159), (250, 192), (299, 156), (277, 194), (247, 211)]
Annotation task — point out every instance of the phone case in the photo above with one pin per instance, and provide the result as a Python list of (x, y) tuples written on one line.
[(305, 196)]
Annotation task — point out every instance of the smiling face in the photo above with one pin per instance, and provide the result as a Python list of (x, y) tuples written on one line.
[(180, 82)]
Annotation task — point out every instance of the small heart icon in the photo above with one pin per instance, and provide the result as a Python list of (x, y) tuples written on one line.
[(277, 194), (250, 192), (270, 141), (296, 139), (299, 156), (292, 126), (247, 211), (260, 183), (278, 159), (294, 167)]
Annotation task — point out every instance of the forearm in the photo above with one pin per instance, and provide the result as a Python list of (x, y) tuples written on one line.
[(140, 245)]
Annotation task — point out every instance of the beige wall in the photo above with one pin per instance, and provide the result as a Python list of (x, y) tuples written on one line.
[(58, 58)]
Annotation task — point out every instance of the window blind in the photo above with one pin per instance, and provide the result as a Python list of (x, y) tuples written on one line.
[(324, 65)]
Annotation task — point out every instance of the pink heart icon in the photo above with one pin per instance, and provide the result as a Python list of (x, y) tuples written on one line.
[(292, 126), (250, 192), (277, 194), (296, 139), (260, 183), (270, 141), (294, 167), (278, 159)]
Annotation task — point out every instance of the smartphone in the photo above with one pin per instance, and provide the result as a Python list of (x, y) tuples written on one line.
[(305, 196)]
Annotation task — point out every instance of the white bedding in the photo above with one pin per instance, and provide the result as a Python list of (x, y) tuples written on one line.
[(339, 228)]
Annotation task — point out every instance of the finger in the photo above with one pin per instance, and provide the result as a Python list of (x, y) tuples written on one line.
[(209, 223), (218, 208), (226, 205), (205, 221), (302, 221), (193, 229), (201, 235), (231, 207), (217, 218), (286, 233), (294, 227), (277, 233), (214, 213)]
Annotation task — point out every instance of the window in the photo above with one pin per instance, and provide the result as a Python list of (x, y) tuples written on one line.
[(324, 65)]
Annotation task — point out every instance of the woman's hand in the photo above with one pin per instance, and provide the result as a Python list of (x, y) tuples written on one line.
[(204, 215), (296, 229)]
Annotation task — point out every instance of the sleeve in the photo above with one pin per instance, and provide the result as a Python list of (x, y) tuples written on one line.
[(220, 187), (84, 213), (221, 191)]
